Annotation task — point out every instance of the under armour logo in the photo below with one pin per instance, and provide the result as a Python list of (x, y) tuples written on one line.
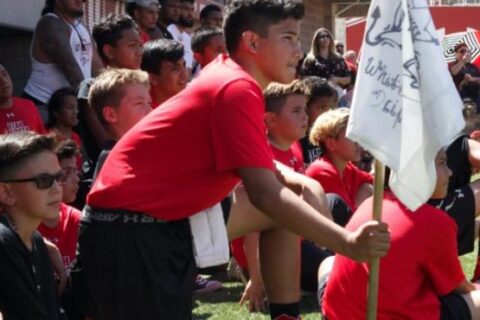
[(10, 115)]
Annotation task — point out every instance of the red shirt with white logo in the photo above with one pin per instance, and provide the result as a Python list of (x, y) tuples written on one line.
[(21, 116)]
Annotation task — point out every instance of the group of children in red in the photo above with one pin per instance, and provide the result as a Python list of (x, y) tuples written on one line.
[(205, 144)]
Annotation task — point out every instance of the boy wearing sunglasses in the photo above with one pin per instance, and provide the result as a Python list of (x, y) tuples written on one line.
[(30, 191)]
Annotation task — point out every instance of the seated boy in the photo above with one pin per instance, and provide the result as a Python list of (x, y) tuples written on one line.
[(63, 230), (118, 42), (119, 45), (207, 44), (420, 278), (120, 99), (334, 169), (16, 114), (321, 97), (164, 62), (286, 122), (30, 191)]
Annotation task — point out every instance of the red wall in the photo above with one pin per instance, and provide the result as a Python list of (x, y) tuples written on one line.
[(453, 19)]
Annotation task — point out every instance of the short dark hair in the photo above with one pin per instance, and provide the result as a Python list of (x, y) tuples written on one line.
[(55, 104), (16, 148), (202, 36), (205, 12), (66, 149), (276, 94), (257, 16), (156, 51), (317, 88), (460, 45), (109, 31)]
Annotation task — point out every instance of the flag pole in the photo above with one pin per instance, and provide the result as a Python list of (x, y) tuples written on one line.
[(374, 265)]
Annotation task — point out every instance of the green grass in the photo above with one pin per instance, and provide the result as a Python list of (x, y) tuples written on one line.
[(223, 304)]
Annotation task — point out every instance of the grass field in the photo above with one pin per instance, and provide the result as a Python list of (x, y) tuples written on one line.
[(224, 305)]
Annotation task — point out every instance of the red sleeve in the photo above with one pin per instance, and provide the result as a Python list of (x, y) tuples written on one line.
[(361, 176), (442, 264), (238, 131), (327, 178)]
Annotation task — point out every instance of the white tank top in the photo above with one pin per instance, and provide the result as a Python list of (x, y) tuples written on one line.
[(46, 78)]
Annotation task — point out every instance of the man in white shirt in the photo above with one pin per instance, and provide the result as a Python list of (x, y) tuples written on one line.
[(179, 30)]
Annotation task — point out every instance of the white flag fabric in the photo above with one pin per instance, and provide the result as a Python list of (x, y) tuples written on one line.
[(405, 106)]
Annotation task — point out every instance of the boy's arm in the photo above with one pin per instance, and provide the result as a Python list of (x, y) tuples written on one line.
[(464, 287), (254, 292), (278, 202), (364, 192)]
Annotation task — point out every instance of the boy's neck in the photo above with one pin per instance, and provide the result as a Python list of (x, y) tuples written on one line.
[(6, 103), (24, 226), (248, 65), (63, 130), (282, 144), (159, 96), (339, 163)]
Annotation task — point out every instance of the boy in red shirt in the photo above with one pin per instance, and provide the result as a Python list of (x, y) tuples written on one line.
[(420, 278), (150, 183), (286, 122), (145, 14), (16, 114), (63, 230), (334, 169)]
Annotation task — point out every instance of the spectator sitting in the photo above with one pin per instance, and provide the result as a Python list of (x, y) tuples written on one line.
[(63, 230), (63, 115), (145, 14), (323, 61), (420, 278), (120, 99), (30, 191), (334, 169), (16, 114), (118, 42), (164, 62), (207, 44), (211, 16), (321, 97)]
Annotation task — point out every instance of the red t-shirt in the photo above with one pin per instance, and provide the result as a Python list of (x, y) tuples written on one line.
[(325, 172), (182, 158), (298, 152), (65, 234), (22, 116), (422, 265), (288, 158)]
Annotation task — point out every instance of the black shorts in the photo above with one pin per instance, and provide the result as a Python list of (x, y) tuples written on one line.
[(460, 205), (135, 267), (452, 306)]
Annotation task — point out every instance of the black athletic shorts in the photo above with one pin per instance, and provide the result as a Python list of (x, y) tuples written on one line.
[(460, 205), (132, 266), (452, 306)]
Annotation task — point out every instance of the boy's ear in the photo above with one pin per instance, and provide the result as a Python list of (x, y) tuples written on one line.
[(198, 57), (269, 118), (109, 114), (7, 196), (108, 51), (249, 41), (331, 144)]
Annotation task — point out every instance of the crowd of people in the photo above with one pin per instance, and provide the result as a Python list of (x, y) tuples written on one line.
[(152, 148)]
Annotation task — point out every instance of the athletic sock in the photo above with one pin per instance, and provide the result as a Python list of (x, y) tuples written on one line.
[(281, 311)]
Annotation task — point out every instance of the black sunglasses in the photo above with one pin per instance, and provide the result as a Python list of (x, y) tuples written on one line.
[(42, 181)]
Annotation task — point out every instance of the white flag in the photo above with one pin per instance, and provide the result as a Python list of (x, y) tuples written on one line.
[(405, 106)]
